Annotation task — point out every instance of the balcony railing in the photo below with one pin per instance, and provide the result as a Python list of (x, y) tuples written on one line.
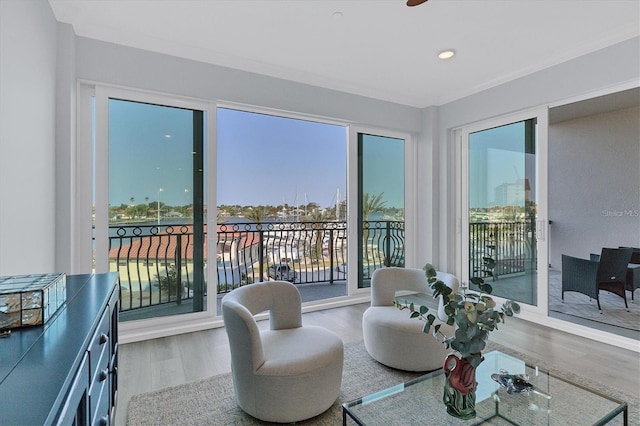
[(314, 251), (155, 262), (509, 243), (151, 260)]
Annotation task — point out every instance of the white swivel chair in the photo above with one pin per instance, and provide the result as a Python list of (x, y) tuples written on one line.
[(393, 338), (289, 372)]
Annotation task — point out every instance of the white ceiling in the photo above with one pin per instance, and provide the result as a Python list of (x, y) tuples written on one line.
[(376, 48)]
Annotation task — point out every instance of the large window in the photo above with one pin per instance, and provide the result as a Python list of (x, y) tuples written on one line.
[(317, 203)]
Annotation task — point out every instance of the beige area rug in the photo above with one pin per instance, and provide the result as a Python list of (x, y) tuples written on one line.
[(581, 306), (211, 401)]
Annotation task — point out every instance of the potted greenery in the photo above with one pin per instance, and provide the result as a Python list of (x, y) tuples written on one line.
[(475, 315)]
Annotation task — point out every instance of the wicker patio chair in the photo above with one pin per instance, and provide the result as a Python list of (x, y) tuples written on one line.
[(633, 270), (579, 275), (590, 276), (612, 271)]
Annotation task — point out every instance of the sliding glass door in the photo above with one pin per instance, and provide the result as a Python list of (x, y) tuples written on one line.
[(150, 203), (504, 234)]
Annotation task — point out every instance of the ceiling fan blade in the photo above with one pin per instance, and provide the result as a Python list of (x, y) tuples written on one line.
[(411, 3)]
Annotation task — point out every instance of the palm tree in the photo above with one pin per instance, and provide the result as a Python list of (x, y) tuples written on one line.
[(220, 218), (311, 207), (131, 209), (316, 216), (257, 214), (372, 204)]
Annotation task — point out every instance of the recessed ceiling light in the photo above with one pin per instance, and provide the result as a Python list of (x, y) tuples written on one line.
[(446, 54)]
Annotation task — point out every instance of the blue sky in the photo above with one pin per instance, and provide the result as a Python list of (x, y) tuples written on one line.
[(149, 148), (269, 160), (498, 155), (262, 159), (383, 169)]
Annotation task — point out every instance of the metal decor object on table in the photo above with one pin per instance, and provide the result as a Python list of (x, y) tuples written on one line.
[(549, 400)]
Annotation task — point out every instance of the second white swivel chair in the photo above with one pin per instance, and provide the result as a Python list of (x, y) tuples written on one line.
[(393, 338)]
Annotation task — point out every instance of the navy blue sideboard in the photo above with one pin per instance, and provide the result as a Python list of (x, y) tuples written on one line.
[(65, 371)]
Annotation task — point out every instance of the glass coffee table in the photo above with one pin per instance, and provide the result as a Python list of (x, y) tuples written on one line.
[(555, 401)]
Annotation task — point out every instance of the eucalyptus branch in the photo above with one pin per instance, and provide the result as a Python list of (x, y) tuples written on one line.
[(429, 319), (474, 314)]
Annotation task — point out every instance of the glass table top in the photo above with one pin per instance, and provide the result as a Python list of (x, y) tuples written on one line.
[(555, 401)]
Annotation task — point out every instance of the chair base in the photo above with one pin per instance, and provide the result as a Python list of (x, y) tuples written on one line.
[(396, 340), (300, 378), (617, 288)]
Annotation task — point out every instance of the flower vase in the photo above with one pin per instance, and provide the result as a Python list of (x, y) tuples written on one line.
[(459, 387)]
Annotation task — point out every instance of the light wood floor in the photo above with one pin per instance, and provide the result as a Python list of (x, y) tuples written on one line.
[(155, 364)]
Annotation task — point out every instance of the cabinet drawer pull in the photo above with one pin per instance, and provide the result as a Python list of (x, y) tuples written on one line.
[(103, 338), (103, 375)]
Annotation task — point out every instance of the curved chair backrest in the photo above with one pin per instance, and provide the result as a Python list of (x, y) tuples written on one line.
[(386, 281), (280, 298), (613, 264)]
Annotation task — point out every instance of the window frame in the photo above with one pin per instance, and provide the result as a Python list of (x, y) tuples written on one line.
[(353, 199), (132, 331), (148, 328), (462, 200)]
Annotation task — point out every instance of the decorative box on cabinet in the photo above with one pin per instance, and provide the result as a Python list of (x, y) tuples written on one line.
[(65, 371), (30, 299)]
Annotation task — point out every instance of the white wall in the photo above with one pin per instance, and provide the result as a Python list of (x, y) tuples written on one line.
[(594, 184), (66, 196), (27, 134), (119, 65), (430, 210)]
